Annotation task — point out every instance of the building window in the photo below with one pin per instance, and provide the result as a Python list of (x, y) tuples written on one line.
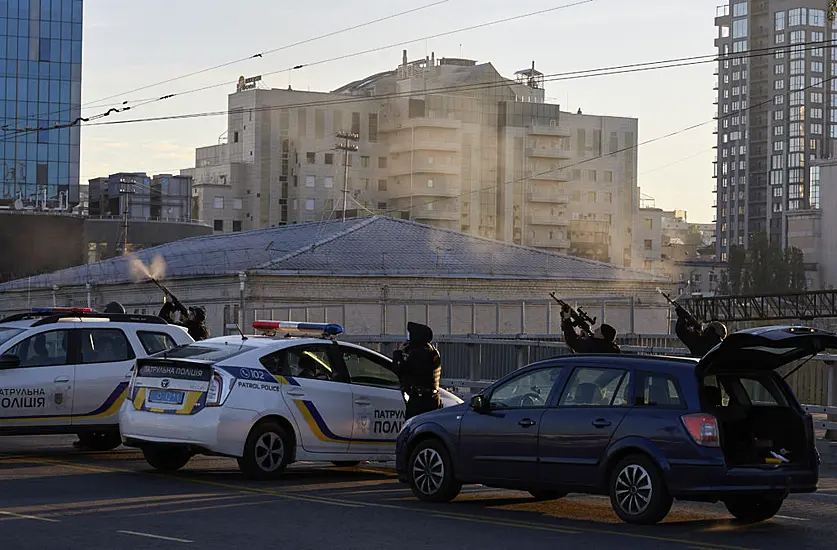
[(382, 162), (329, 158), (219, 225), (739, 9), (219, 202), (236, 226), (382, 185), (797, 37), (373, 127), (235, 137), (649, 244), (797, 17), (382, 206), (310, 181), (311, 158), (328, 182), (779, 69), (815, 186), (778, 191), (591, 196), (649, 223), (309, 204), (739, 28), (779, 38), (780, 21), (608, 176), (779, 100), (816, 18), (238, 204)]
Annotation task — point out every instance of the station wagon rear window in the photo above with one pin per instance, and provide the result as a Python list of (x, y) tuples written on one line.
[(212, 354)]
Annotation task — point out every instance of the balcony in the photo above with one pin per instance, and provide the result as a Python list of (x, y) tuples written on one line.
[(547, 219), (420, 214), (548, 153), (423, 168), (552, 175), (546, 242), (424, 122), (421, 190), (544, 130), (548, 196), (425, 145)]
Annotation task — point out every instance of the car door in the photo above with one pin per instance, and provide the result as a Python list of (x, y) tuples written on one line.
[(319, 397), (501, 444), (38, 391), (103, 359), (575, 435), (377, 401)]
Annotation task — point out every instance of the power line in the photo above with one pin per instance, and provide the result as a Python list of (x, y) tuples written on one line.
[(142, 102)]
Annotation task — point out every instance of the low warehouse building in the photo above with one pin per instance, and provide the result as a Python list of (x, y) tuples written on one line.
[(370, 274)]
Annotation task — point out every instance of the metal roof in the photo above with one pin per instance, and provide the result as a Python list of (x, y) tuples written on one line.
[(370, 246)]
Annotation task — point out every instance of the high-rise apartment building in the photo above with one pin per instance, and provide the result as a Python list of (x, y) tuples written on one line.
[(40, 87), (447, 142), (777, 112)]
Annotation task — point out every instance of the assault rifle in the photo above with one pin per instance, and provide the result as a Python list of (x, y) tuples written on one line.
[(681, 310), (578, 316), (171, 297)]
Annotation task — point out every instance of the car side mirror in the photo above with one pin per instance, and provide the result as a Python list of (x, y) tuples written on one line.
[(479, 403), (9, 361)]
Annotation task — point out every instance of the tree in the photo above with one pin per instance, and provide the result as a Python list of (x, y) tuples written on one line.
[(765, 268), (832, 10)]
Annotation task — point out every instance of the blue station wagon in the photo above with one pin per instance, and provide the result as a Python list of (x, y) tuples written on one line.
[(643, 430)]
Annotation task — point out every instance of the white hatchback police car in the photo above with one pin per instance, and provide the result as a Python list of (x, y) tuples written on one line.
[(63, 370), (266, 400)]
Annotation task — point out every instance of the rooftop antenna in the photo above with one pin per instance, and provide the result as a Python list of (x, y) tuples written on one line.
[(234, 326)]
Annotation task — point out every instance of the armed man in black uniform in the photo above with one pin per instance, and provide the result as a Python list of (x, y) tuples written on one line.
[(602, 340), (193, 318), (698, 337), (419, 368)]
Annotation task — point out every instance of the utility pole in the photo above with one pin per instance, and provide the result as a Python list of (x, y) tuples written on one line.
[(126, 189), (348, 147)]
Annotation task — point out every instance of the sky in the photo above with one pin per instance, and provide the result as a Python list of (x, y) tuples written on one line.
[(129, 44)]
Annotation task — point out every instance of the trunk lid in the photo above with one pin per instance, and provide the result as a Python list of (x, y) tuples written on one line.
[(170, 386), (765, 349)]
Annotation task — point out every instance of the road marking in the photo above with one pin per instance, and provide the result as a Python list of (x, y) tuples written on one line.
[(792, 518), (160, 537), (199, 508), (505, 523), (26, 516)]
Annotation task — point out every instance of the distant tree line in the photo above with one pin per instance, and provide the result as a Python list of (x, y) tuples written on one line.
[(764, 268)]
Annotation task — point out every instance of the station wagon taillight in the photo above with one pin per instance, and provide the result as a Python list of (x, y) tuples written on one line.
[(703, 428)]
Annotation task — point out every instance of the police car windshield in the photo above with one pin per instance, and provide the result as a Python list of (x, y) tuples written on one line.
[(7, 334), (199, 352)]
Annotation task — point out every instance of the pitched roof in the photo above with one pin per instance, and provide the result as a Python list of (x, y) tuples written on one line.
[(371, 246)]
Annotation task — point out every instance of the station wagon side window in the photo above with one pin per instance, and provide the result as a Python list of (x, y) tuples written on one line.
[(155, 342), (45, 349), (597, 387), (527, 391), (365, 371), (104, 345), (658, 390)]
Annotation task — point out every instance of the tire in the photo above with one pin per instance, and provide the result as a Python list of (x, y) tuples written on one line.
[(754, 509), (166, 458), (346, 463), (547, 494), (267, 452), (430, 471), (638, 493), (99, 441)]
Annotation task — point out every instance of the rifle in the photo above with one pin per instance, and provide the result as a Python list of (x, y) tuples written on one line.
[(680, 309), (177, 304), (578, 316)]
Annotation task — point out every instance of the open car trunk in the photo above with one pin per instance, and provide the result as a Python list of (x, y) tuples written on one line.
[(760, 423)]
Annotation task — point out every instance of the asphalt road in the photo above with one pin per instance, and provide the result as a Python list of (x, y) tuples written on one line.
[(53, 496)]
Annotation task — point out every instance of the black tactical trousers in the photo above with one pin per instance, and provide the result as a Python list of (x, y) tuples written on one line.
[(422, 403)]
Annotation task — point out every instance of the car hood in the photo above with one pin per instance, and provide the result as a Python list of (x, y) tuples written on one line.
[(449, 399), (765, 348)]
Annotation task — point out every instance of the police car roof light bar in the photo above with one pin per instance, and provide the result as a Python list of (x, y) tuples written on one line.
[(291, 327), (65, 310)]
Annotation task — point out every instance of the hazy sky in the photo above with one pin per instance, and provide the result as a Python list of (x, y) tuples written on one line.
[(132, 44)]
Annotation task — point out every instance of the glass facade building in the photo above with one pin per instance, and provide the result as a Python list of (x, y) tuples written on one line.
[(40, 87)]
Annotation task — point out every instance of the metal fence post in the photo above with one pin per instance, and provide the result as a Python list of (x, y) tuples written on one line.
[(632, 315), (831, 399), (497, 319), (473, 318), (522, 356), (522, 317), (549, 318), (450, 318)]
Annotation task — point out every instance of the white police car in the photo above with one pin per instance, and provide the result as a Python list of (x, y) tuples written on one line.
[(64, 370), (267, 401)]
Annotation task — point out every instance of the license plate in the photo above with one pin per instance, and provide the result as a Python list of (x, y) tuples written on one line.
[(167, 397)]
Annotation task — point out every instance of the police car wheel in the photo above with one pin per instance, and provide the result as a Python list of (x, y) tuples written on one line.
[(431, 473), (638, 492), (100, 441), (266, 453), (166, 458)]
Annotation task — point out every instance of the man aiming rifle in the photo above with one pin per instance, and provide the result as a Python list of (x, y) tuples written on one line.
[(193, 318), (697, 336), (600, 340)]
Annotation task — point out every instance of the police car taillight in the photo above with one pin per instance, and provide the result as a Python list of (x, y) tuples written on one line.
[(703, 428), (291, 327), (213, 394)]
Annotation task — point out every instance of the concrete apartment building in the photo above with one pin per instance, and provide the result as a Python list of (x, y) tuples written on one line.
[(447, 142), (775, 115)]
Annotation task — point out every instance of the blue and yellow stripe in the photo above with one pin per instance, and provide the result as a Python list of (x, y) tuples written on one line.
[(108, 408), (320, 429)]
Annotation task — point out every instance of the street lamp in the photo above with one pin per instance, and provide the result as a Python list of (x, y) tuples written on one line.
[(242, 276)]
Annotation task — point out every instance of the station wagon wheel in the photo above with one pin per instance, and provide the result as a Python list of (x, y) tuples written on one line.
[(431, 473), (266, 453), (638, 492)]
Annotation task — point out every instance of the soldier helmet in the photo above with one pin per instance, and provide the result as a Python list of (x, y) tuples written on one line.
[(198, 313), (719, 328), (114, 307)]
